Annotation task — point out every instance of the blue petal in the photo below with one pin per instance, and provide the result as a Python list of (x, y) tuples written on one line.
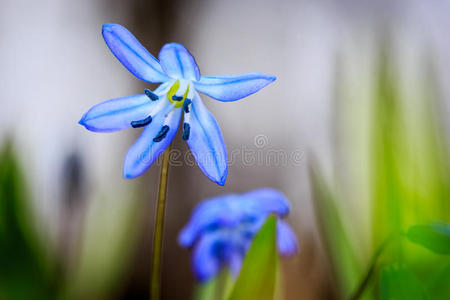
[(229, 210), (233, 87), (251, 228), (145, 150), (264, 201), (132, 54), (178, 63), (211, 214), (286, 240), (235, 263), (206, 142), (117, 114), (205, 258)]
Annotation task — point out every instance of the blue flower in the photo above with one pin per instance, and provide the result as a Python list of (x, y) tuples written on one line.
[(221, 229), (160, 111)]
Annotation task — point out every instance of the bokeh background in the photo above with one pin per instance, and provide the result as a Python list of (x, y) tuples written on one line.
[(360, 103)]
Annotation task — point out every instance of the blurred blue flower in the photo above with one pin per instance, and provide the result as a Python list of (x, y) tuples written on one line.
[(221, 229), (159, 111)]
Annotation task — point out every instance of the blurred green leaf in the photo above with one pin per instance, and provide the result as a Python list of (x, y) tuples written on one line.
[(371, 270), (336, 241), (438, 286), (410, 166), (24, 272), (392, 165), (257, 279), (216, 289), (435, 237), (389, 153), (399, 283)]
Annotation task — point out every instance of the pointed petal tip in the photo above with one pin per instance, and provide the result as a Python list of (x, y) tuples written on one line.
[(174, 44), (109, 27), (220, 181), (81, 122), (267, 78), (224, 178), (84, 123), (128, 175), (233, 87)]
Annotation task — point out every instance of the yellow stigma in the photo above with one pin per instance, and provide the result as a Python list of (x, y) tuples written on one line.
[(173, 90)]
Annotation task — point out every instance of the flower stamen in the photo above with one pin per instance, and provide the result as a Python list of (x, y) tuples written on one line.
[(141, 123), (151, 95), (162, 134), (186, 105), (186, 131)]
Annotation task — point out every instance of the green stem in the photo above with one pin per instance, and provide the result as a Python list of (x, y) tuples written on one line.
[(155, 281), (224, 284)]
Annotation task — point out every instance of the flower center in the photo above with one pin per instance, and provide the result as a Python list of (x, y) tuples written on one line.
[(178, 92)]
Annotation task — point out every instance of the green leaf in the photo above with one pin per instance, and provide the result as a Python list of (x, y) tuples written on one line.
[(257, 279), (435, 237), (216, 289), (437, 285), (389, 145), (399, 283), (24, 271), (339, 248)]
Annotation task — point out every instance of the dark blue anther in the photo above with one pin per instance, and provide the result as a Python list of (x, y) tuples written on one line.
[(162, 134), (186, 131), (151, 95), (177, 98), (141, 123), (186, 105)]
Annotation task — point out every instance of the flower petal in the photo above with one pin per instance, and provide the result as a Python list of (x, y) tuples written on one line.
[(178, 63), (231, 209), (206, 142), (233, 87), (235, 263), (132, 54), (266, 201), (117, 114), (210, 214), (286, 240), (146, 150), (205, 259)]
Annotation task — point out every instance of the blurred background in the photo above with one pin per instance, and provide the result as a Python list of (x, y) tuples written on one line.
[(354, 131)]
